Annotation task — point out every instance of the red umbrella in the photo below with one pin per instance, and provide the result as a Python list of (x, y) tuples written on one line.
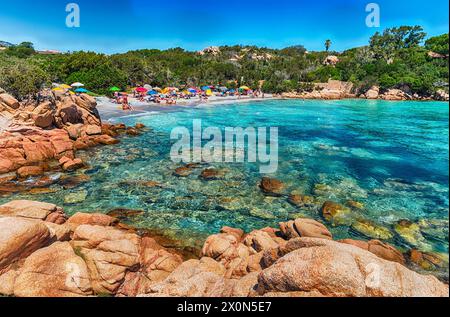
[(141, 89)]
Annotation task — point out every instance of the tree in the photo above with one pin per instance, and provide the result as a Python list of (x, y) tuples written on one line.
[(327, 45), (392, 40), (23, 50), (21, 78), (438, 44)]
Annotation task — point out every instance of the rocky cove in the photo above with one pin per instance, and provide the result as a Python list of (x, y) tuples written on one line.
[(45, 254), (42, 158)]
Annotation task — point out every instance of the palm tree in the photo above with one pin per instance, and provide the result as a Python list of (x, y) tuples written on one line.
[(327, 44)]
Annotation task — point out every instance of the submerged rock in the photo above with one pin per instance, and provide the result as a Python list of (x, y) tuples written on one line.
[(183, 171), (123, 213), (75, 198), (336, 213), (410, 233), (372, 230), (211, 174), (271, 186), (301, 200)]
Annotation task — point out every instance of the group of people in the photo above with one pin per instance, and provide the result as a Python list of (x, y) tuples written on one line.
[(171, 97)]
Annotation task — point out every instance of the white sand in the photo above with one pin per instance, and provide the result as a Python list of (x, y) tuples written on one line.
[(109, 110)]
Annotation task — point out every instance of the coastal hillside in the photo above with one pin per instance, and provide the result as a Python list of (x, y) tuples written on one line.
[(403, 58)]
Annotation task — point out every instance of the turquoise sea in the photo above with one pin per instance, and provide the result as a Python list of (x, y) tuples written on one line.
[(392, 157)]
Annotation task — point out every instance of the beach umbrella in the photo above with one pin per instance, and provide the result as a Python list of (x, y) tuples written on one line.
[(148, 87), (192, 90), (57, 89), (152, 92), (77, 85), (81, 90), (114, 89), (205, 88), (157, 89), (209, 92), (244, 88), (65, 86), (141, 89)]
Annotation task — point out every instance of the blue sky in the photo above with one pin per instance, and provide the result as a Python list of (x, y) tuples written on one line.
[(116, 26)]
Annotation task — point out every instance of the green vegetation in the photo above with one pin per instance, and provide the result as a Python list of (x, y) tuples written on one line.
[(395, 58)]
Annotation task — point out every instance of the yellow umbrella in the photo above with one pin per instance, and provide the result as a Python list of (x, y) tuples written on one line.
[(57, 89), (65, 86), (157, 89), (209, 92), (244, 88)]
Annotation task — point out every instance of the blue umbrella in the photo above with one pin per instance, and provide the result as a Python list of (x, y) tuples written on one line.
[(206, 88), (192, 90), (81, 90), (152, 92)]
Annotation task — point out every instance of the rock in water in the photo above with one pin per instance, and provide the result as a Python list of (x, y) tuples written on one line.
[(271, 186)]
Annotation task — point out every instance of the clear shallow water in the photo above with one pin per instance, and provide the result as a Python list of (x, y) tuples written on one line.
[(390, 156)]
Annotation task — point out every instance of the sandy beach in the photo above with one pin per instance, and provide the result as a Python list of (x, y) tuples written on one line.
[(109, 110)]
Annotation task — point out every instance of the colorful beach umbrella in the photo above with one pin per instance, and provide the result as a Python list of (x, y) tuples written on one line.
[(192, 90), (152, 92), (77, 85), (65, 86), (114, 89), (81, 90), (205, 88), (244, 88), (141, 89)]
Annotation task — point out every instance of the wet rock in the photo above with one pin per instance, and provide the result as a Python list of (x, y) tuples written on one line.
[(372, 230), (211, 174), (355, 204), (434, 228), (336, 213), (29, 171), (380, 249), (336, 269), (429, 261), (76, 198), (303, 227), (132, 131), (183, 171), (123, 213), (106, 140), (139, 126), (301, 200), (72, 165), (271, 186), (54, 271), (410, 233)]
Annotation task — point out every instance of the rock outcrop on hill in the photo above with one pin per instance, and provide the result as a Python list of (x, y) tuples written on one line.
[(94, 255)]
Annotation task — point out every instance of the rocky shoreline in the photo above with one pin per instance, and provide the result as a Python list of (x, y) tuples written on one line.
[(336, 90), (44, 253), (42, 136)]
